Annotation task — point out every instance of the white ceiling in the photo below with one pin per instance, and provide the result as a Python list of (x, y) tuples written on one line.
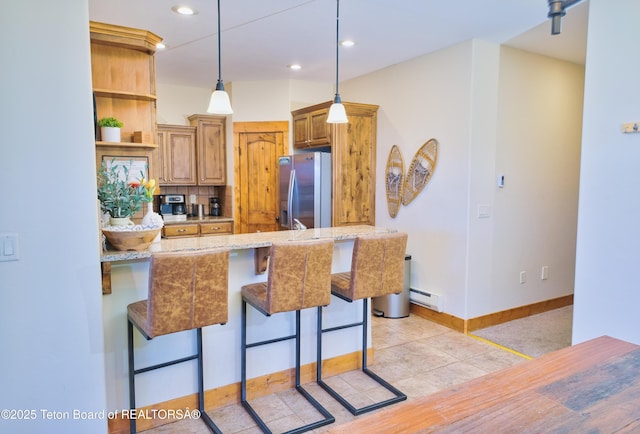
[(261, 37)]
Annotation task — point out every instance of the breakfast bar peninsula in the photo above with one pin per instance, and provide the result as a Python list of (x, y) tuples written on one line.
[(175, 387)]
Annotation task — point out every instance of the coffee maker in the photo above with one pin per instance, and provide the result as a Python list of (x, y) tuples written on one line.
[(214, 207), (173, 208)]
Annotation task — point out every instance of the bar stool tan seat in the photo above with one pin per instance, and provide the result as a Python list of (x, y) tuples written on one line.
[(299, 277), (186, 291), (377, 269)]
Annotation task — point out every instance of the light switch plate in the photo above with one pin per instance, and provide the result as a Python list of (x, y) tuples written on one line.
[(484, 211), (9, 247)]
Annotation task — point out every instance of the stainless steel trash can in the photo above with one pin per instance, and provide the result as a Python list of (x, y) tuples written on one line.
[(395, 305)]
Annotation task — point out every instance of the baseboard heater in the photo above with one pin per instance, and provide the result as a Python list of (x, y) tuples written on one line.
[(426, 299)]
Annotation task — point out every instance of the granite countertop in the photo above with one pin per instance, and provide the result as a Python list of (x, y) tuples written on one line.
[(242, 241)]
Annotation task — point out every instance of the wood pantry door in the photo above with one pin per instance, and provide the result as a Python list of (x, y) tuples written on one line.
[(257, 146)]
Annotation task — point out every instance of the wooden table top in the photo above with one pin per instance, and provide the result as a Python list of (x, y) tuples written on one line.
[(590, 387)]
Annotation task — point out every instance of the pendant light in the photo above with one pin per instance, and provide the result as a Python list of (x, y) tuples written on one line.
[(219, 103), (337, 114)]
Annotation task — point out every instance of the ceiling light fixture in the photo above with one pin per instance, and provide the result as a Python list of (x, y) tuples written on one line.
[(184, 10), (337, 114), (219, 103), (347, 43), (557, 10), (295, 67)]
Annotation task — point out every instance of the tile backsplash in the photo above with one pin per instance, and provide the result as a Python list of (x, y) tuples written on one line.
[(202, 194)]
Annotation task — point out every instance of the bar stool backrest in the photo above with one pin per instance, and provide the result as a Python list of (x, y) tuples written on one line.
[(187, 290), (299, 275), (377, 265)]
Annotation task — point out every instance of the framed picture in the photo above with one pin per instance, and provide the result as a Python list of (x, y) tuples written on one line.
[(138, 160), (137, 167)]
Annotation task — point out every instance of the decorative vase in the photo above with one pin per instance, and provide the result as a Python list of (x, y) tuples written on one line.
[(120, 221), (110, 134), (153, 220)]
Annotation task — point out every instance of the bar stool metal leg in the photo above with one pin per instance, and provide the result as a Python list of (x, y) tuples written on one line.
[(399, 396), (132, 387), (132, 372), (328, 417), (203, 414)]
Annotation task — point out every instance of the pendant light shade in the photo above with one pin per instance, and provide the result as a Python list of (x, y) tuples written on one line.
[(219, 103), (337, 113)]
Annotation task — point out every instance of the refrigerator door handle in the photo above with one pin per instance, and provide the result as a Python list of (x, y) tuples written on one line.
[(289, 218)]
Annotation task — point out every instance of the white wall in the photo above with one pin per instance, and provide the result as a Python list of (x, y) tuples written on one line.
[(256, 101), (427, 97), (176, 103), (607, 295), (538, 152), (492, 110), (50, 300), (481, 188)]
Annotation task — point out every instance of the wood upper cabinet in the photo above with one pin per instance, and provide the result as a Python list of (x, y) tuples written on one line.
[(124, 78), (211, 153), (124, 86), (310, 128), (177, 155), (353, 149)]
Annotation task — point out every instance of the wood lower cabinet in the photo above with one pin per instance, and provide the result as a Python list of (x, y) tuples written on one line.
[(211, 153), (197, 229), (353, 149), (177, 155), (181, 230), (216, 228)]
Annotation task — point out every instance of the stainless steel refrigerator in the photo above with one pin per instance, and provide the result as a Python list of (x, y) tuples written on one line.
[(305, 190)]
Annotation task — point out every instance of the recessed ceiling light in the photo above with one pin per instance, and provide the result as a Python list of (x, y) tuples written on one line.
[(184, 10), (160, 46), (294, 66), (347, 43)]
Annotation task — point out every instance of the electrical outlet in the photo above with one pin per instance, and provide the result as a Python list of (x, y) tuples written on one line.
[(523, 277)]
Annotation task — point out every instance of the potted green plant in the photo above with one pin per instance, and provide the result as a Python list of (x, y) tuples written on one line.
[(119, 197), (110, 129)]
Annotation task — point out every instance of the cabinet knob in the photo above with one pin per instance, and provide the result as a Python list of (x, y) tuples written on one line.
[(182, 230)]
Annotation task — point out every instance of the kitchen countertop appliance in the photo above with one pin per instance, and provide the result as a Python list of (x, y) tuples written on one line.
[(173, 208), (214, 207), (305, 190)]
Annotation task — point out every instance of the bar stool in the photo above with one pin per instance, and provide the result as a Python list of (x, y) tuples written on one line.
[(299, 277), (186, 291), (377, 269)]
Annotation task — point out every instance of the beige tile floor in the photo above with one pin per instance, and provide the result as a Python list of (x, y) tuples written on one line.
[(416, 355)]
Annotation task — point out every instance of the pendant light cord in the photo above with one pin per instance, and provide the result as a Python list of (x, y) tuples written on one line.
[(219, 47), (337, 43)]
